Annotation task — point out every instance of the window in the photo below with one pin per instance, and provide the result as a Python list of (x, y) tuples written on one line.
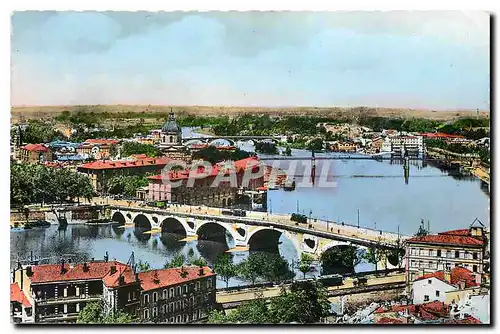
[(179, 292), (426, 298), (146, 314), (171, 320), (179, 319), (155, 297), (474, 268), (164, 308), (457, 254), (146, 299), (437, 293), (474, 255), (165, 293), (155, 312), (429, 281), (439, 252), (171, 292), (129, 296), (209, 283), (197, 286), (186, 288), (171, 307), (194, 315)]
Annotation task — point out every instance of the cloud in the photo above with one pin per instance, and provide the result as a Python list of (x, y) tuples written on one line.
[(436, 60)]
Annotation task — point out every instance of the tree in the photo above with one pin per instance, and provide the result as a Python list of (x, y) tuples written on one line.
[(143, 266), (224, 267), (307, 302), (93, 313), (340, 259), (130, 148), (305, 263), (250, 312), (199, 261), (288, 151), (374, 255), (396, 255), (276, 268), (251, 268), (177, 261)]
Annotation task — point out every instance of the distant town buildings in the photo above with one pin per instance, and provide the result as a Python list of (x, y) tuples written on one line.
[(96, 148), (35, 153)]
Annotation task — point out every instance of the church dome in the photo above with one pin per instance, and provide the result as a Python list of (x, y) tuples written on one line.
[(171, 125)]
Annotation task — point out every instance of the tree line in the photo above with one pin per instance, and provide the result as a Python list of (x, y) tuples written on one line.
[(35, 183)]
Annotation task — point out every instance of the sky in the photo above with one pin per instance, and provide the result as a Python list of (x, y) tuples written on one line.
[(431, 60)]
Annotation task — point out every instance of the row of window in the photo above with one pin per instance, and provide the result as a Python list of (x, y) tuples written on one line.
[(182, 304), (174, 292), (448, 254), (440, 266), (181, 318)]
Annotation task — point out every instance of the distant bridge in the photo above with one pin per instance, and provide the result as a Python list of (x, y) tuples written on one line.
[(247, 233), (230, 139)]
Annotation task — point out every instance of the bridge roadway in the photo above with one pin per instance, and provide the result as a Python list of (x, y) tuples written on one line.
[(320, 228), (230, 299), (230, 137)]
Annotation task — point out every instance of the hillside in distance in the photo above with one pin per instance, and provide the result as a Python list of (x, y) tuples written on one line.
[(45, 112)]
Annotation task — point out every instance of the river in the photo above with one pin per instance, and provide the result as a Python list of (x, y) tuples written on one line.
[(377, 188)]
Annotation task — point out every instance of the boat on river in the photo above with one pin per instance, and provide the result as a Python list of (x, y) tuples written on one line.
[(99, 222)]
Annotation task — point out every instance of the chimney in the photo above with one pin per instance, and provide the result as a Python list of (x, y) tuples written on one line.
[(106, 257), (62, 266), (201, 273), (85, 267), (113, 270), (447, 275), (121, 280), (29, 271), (461, 284), (92, 260)]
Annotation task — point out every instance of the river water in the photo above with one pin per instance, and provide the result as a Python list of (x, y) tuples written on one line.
[(377, 188)]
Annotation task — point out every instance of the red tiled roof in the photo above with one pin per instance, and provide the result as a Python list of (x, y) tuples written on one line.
[(464, 231), (155, 279), (457, 275), (387, 320), (433, 310), (107, 164), (113, 280), (468, 320), (396, 308), (101, 141), (447, 239), (440, 135), (45, 273), (139, 156), (17, 295), (36, 148)]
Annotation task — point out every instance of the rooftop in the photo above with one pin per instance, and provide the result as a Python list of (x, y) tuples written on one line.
[(36, 148), (456, 237), (457, 274), (100, 142), (116, 164), (155, 279), (17, 295)]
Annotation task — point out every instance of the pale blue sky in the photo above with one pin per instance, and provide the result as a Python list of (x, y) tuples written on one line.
[(433, 60)]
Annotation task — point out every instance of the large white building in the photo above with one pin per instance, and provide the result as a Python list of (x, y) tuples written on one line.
[(412, 144), (444, 251)]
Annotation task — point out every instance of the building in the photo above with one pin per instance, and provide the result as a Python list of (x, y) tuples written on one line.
[(171, 141), (100, 172), (202, 187), (21, 309), (35, 153), (437, 285), (96, 148), (58, 292), (410, 144), (177, 295), (343, 147), (444, 251)]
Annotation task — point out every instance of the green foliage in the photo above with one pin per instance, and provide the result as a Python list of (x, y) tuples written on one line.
[(374, 255), (126, 185), (177, 261), (224, 267), (93, 313), (484, 153), (306, 302), (143, 266), (251, 268), (305, 263), (40, 132), (199, 261), (316, 144), (299, 218), (130, 148), (266, 147), (213, 155), (288, 151), (276, 269), (340, 259), (34, 183)]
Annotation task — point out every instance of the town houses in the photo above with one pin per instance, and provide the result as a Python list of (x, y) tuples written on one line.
[(48, 293)]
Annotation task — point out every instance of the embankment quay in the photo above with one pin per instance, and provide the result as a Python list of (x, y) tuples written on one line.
[(394, 283)]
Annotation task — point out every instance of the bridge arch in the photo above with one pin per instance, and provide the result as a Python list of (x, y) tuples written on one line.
[(173, 225), (265, 239), (118, 217), (192, 142), (213, 231), (221, 142), (141, 225)]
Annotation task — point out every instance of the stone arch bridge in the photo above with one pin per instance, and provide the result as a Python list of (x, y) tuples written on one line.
[(246, 233)]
